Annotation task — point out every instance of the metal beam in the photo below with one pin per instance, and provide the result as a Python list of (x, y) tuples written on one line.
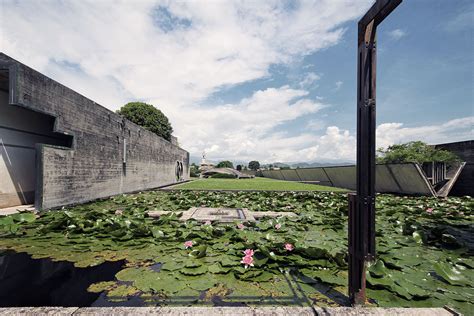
[(362, 206)]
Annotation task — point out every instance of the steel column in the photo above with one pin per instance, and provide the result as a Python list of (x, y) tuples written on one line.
[(362, 206)]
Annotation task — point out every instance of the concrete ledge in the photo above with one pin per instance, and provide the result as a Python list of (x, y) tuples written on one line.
[(241, 311), (33, 311)]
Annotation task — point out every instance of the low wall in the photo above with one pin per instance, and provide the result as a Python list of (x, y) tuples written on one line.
[(107, 154), (390, 178)]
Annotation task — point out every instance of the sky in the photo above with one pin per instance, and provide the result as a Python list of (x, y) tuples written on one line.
[(258, 80)]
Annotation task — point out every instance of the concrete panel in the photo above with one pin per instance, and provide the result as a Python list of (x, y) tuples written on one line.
[(342, 177), (384, 180), (465, 182), (103, 140), (273, 174), (393, 178), (267, 174), (290, 175), (411, 179), (313, 174)]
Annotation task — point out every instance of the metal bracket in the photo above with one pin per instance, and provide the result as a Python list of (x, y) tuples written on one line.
[(369, 102)]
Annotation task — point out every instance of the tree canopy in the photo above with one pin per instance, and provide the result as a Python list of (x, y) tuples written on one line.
[(416, 151), (149, 117), (254, 165), (225, 164)]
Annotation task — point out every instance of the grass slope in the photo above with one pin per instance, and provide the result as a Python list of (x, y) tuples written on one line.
[(263, 184)]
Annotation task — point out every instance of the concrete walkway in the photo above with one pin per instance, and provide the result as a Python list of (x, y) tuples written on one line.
[(17, 209), (227, 311)]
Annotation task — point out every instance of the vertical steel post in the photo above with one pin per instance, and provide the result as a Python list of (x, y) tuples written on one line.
[(362, 205)]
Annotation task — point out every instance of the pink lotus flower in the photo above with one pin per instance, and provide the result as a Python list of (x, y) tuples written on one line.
[(247, 261), (289, 247), (249, 252), (188, 244), (277, 226), (208, 223), (429, 210), (240, 226)]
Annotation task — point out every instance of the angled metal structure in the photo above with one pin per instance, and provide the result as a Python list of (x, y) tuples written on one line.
[(362, 205)]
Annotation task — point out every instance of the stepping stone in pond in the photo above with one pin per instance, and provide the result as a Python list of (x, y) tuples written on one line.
[(223, 215)]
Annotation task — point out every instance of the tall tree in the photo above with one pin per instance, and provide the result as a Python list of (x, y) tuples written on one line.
[(254, 165), (149, 117)]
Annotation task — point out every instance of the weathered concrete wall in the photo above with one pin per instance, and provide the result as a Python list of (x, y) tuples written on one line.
[(465, 183), (20, 130), (94, 167)]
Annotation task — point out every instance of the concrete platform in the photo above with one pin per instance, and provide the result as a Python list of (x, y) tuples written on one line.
[(16, 209), (241, 311)]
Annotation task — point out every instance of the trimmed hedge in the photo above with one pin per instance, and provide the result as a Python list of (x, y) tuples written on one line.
[(223, 176)]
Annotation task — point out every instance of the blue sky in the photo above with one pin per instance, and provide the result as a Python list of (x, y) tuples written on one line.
[(273, 80)]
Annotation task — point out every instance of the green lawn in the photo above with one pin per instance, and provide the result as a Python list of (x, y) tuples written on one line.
[(252, 184)]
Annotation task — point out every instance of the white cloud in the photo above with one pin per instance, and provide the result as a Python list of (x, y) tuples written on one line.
[(246, 130), (226, 43), (114, 52), (315, 125), (397, 34), (309, 79), (394, 133), (338, 85), (462, 21)]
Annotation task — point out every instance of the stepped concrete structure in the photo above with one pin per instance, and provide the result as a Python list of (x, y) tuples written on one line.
[(58, 147), (465, 151)]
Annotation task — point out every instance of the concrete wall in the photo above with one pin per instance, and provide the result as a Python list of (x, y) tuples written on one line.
[(465, 183), (391, 178), (20, 130), (94, 167)]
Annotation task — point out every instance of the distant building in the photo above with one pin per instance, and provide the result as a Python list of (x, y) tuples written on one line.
[(205, 165)]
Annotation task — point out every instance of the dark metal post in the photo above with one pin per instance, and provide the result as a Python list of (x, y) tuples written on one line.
[(362, 205)]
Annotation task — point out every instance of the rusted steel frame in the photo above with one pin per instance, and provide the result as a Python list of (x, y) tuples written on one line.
[(362, 206)]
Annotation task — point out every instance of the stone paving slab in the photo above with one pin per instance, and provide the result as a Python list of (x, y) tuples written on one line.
[(122, 311), (227, 311), (222, 214), (380, 311), (38, 311), (16, 209)]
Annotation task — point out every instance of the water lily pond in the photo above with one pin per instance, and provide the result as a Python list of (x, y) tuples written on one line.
[(425, 249)]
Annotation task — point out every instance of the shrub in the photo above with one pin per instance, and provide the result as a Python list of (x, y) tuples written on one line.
[(417, 152), (149, 117), (194, 171), (223, 176), (225, 164)]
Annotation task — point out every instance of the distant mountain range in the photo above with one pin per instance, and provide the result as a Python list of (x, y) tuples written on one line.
[(325, 163)]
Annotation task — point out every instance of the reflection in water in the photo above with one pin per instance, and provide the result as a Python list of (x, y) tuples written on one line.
[(42, 282)]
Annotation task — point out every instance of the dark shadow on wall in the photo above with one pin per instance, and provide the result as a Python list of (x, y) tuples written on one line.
[(21, 130)]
